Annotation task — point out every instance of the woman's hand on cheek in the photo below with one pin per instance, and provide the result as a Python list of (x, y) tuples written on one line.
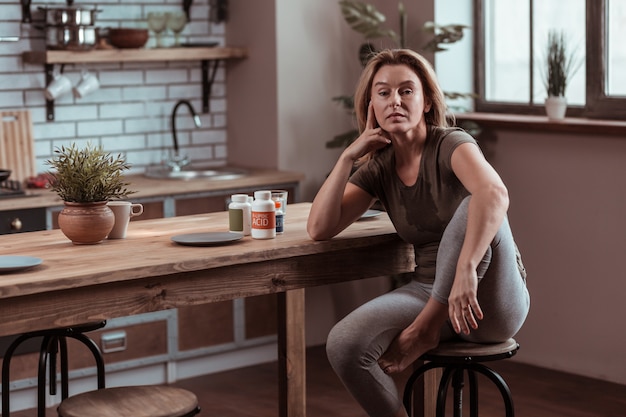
[(372, 138)]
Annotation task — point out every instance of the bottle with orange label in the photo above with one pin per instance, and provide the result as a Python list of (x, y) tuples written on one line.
[(263, 216)]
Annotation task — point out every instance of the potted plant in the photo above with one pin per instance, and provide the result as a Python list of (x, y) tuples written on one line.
[(560, 67), (86, 179)]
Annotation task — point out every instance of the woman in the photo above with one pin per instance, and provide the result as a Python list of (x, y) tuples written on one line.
[(444, 198)]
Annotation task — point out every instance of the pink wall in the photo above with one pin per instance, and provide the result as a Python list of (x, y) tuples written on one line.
[(252, 85), (568, 213)]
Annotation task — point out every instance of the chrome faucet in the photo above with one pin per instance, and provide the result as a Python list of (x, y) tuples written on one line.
[(176, 160)]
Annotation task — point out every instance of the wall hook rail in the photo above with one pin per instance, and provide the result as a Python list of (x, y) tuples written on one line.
[(26, 16), (207, 82), (49, 70), (204, 55)]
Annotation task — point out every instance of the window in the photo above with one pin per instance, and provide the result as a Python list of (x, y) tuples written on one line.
[(510, 39), (616, 53)]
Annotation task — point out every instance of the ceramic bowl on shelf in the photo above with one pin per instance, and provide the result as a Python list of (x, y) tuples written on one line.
[(128, 38)]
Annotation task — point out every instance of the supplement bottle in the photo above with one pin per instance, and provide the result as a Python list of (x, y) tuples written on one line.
[(239, 214), (263, 216), (280, 217)]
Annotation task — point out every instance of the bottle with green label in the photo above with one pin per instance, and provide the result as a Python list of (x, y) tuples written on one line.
[(239, 214)]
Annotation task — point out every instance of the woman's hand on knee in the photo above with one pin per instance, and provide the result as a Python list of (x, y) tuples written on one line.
[(463, 307)]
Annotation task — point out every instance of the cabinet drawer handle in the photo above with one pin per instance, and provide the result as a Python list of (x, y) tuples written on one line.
[(16, 224), (113, 341)]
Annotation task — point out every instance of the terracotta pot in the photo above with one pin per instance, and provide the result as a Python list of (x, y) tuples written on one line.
[(86, 223)]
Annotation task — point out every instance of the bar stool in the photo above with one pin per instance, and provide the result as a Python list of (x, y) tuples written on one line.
[(132, 401), (54, 342), (456, 358)]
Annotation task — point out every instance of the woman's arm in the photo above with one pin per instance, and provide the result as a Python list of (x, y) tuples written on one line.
[(487, 208), (338, 202)]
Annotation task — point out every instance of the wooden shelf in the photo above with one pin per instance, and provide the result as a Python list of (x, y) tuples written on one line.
[(50, 58), (134, 55)]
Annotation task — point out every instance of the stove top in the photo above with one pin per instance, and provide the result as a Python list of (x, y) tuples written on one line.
[(11, 188)]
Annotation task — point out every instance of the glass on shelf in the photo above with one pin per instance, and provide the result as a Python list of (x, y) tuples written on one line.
[(157, 23), (176, 22)]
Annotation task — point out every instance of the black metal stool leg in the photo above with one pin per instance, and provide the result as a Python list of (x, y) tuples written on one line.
[(65, 375), (502, 386), (97, 355), (48, 344), (442, 392), (407, 399), (6, 368), (473, 386), (457, 385), (52, 352)]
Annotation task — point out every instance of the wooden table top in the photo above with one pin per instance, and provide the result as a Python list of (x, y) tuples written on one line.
[(148, 264)]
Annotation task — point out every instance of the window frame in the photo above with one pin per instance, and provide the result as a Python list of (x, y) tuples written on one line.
[(598, 104)]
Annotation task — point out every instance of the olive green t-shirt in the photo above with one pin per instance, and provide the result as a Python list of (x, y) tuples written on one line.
[(420, 212)]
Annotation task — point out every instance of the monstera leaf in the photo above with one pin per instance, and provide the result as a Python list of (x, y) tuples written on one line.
[(442, 35), (365, 19)]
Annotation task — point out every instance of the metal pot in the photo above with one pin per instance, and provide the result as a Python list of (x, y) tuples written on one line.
[(4, 174), (69, 16), (74, 38)]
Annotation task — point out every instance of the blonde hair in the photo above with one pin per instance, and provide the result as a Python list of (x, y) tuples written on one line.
[(436, 116)]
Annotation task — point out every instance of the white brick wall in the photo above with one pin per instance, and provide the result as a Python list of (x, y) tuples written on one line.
[(131, 111)]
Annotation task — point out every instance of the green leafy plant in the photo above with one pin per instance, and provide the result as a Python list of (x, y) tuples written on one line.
[(367, 20), (561, 64), (88, 175)]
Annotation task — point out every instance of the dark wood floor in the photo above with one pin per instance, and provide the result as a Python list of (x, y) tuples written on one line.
[(537, 392)]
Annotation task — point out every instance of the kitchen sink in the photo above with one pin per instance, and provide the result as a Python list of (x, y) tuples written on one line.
[(192, 173)]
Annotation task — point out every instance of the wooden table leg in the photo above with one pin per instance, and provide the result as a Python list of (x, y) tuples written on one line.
[(291, 354), (431, 386)]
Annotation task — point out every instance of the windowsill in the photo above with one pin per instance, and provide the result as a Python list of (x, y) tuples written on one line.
[(542, 124)]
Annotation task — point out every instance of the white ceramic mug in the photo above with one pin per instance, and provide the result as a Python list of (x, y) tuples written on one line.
[(88, 84), (59, 86), (123, 211)]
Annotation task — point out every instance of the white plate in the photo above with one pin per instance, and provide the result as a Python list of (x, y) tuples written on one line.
[(207, 239), (10, 263), (370, 213)]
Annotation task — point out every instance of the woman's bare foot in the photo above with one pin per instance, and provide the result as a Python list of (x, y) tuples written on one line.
[(420, 337), (405, 349)]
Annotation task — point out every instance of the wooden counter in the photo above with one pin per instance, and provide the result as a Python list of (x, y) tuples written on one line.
[(148, 272), (147, 188)]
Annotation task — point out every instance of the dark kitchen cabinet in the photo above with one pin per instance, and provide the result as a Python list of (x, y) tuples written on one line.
[(26, 220)]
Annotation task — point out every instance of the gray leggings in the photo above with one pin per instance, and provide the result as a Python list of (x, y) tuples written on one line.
[(357, 342)]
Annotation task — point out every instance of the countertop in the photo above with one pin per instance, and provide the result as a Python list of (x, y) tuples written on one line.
[(148, 187)]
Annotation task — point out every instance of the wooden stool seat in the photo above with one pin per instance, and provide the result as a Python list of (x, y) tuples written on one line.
[(457, 358), (468, 351), (132, 401)]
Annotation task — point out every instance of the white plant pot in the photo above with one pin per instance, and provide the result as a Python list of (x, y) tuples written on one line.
[(556, 107)]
